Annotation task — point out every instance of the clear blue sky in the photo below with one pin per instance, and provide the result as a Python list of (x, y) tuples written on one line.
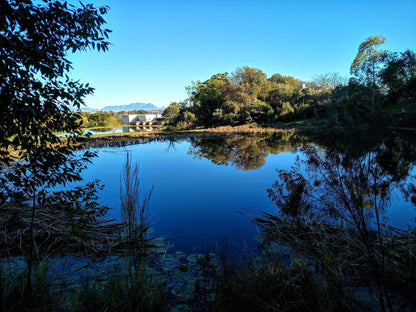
[(159, 47)]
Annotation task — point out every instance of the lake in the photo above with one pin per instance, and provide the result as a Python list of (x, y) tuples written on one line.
[(201, 185)]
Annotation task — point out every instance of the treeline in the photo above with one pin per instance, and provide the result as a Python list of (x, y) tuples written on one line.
[(380, 79), (105, 119)]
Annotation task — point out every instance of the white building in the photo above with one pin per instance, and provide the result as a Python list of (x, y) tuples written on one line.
[(140, 119)]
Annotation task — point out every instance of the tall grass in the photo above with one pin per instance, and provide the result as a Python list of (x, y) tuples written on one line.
[(137, 289), (331, 215), (126, 288)]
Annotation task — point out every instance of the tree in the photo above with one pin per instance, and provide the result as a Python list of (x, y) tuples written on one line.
[(399, 76), (172, 111), (37, 96), (208, 96), (252, 81), (287, 108), (103, 119), (367, 64), (330, 80), (277, 78), (36, 93)]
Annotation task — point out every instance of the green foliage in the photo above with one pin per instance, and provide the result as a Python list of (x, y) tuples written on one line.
[(36, 93), (281, 93), (350, 110), (368, 61), (260, 111), (289, 80), (287, 108), (252, 81), (367, 65), (103, 119), (208, 96), (247, 95), (242, 97), (171, 112), (39, 98), (399, 76)]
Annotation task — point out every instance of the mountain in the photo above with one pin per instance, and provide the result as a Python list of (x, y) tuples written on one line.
[(129, 107), (132, 106)]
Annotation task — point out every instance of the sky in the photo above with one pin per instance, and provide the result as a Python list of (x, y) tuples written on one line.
[(160, 47)]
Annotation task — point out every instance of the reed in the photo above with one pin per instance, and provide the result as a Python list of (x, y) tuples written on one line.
[(319, 241), (135, 216)]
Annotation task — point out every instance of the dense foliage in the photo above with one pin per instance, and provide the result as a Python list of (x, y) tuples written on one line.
[(100, 119), (38, 99), (36, 93), (381, 80), (245, 96)]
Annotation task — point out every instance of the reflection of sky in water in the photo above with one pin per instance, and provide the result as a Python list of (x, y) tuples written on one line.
[(197, 199)]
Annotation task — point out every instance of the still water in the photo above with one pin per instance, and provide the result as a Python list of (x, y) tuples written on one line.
[(108, 130), (201, 185)]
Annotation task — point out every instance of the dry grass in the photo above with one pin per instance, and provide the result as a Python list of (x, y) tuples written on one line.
[(53, 235), (340, 252)]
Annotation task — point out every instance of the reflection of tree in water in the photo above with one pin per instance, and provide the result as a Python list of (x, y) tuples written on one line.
[(331, 207), (396, 155), (336, 186), (395, 151), (171, 146), (244, 152)]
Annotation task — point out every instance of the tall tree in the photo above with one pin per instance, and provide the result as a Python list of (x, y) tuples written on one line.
[(399, 76), (208, 96), (38, 98), (368, 62), (330, 80), (36, 94), (172, 111), (252, 81)]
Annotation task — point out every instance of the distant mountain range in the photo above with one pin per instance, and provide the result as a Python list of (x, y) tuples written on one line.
[(129, 107)]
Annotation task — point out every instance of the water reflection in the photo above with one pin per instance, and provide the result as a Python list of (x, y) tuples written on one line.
[(200, 181), (347, 185), (109, 130), (332, 211), (137, 129), (244, 152)]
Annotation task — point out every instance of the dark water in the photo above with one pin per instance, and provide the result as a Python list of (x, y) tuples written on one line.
[(200, 185)]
